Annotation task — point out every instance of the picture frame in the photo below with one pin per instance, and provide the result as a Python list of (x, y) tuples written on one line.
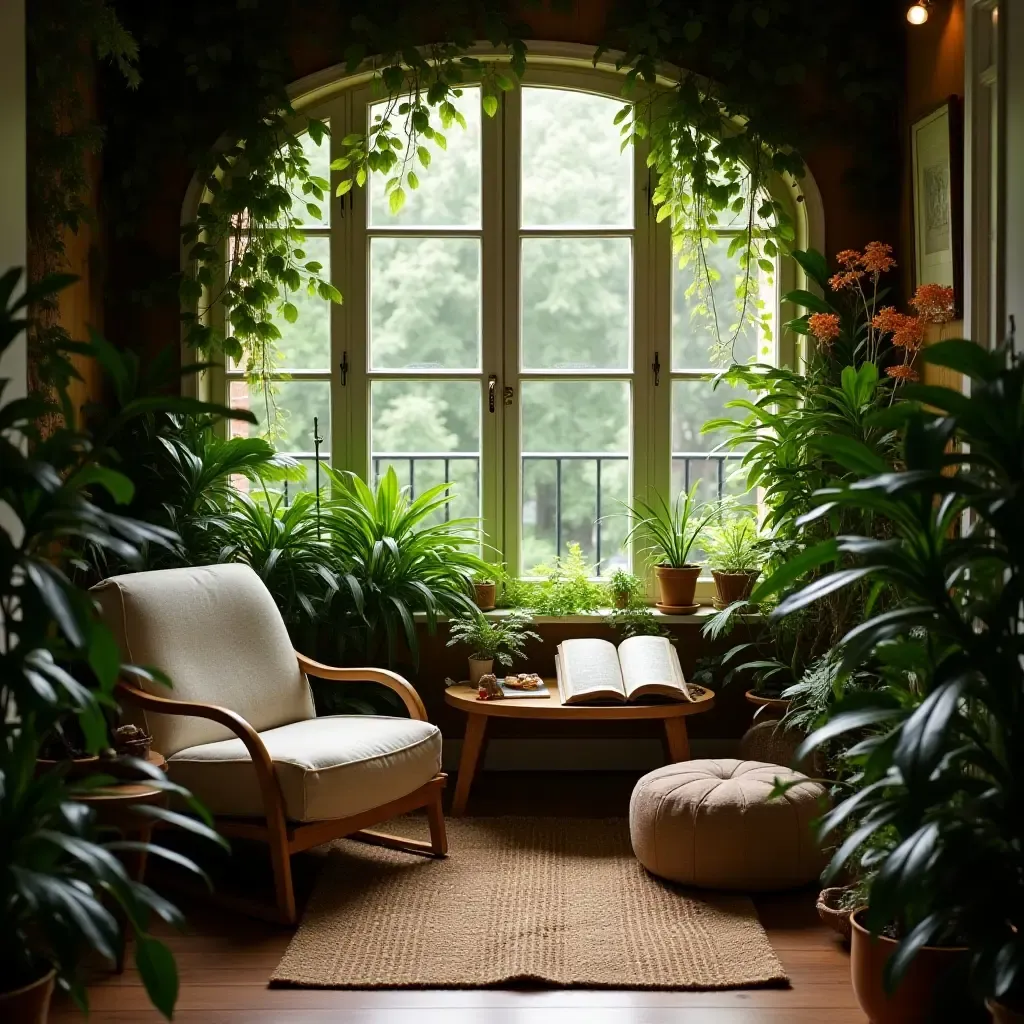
[(936, 151)]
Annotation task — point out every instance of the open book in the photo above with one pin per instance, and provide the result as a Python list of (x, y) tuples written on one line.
[(643, 666)]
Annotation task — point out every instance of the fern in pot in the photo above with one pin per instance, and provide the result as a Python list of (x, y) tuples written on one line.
[(671, 532), (731, 544), (500, 640)]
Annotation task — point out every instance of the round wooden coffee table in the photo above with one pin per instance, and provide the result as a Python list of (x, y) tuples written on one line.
[(672, 715)]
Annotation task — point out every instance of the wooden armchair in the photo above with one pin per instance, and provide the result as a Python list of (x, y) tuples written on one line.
[(239, 729)]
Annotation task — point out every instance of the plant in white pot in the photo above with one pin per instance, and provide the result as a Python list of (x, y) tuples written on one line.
[(732, 546), (671, 532), (499, 640)]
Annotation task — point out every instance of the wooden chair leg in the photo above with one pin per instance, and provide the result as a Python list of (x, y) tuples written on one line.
[(281, 860), (438, 833)]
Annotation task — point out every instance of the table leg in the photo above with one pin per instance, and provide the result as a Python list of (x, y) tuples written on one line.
[(472, 744), (677, 740)]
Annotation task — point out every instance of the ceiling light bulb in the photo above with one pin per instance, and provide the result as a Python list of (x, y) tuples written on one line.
[(918, 14)]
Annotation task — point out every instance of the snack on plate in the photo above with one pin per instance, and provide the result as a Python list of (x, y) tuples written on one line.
[(525, 681)]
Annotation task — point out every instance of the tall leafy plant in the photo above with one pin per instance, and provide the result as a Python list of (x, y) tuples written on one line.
[(405, 558), (933, 821), (58, 874)]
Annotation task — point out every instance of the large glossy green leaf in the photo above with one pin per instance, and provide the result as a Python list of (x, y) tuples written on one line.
[(159, 973), (794, 568), (965, 357)]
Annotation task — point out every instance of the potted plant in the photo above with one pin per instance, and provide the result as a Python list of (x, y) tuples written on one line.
[(499, 640), (59, 878), (485, 585), (933, 753), (626, 589), (671, 532), (731, 546)]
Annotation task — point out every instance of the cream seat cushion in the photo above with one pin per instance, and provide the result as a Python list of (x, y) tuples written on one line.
[(330, 767), (711, 824)]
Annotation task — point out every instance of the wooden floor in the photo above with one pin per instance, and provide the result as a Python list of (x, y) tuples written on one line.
[(225, 959)]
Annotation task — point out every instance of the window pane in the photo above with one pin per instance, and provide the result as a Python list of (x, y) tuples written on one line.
[(424, 303), (694, 313), (306, 344), (430, 432), (574, 433), (449, 189), (693, 404), (319, 158), (292, 405), (573, 171), (576, 303)]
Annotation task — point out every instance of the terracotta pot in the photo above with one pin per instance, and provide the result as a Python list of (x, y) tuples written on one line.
[(831, 913), (486, 595), (935, 986), (1003, 1014), (30, 1004), (733, 586), (479, 667), (677, 585), (767, 707)]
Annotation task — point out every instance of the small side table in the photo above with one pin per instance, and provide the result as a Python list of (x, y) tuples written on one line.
[(115, 807), (672, 716)]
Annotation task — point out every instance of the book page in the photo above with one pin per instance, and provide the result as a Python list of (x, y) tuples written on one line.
[(589, 670), (650, 665)]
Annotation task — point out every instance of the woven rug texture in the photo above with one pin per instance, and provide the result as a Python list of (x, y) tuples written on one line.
[(558, 902)]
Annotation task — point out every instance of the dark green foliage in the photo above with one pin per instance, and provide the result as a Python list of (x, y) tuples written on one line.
[(58, 875), (934, 821)]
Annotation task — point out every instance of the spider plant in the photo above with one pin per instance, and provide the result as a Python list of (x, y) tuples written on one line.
[(282, 545), (672, 530), (404, 557), (731, 541)]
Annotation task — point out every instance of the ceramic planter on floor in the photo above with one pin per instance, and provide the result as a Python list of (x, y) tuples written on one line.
[(677, 585), (767, 707), (935, 987), (733, 586), (479, 667), (831, 912), (486, 595), (29, 1004)]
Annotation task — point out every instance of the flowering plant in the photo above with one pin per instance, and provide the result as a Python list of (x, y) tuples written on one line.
[(865, 330)]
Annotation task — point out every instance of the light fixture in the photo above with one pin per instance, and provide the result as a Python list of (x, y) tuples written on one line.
[(918, 13)]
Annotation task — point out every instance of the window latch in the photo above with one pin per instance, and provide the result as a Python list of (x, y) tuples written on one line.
[(343, 368), (509, 395), (492, 384), (656, 367)]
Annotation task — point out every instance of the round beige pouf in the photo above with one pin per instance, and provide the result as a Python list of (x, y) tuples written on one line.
[(710, 824)]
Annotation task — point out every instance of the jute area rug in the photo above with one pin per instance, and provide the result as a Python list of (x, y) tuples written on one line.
[(557, 902)]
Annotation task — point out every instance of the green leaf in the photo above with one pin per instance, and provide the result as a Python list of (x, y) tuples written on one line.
[(964, 356), (344, 187), (692, 30), (116, 484), (314, 211), (290, 312), (809, 300), (490, 105), (414, 181), (814, 265), (396, 200), (159, 973), (790, 571), (104, 655), (424, 155)]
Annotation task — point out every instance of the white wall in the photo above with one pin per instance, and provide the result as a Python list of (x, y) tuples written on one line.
[(12, 169)]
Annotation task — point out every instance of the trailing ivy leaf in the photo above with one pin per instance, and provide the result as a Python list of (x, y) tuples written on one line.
[(290, 312)]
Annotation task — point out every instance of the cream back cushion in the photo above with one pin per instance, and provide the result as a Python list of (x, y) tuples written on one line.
[(217, 634)]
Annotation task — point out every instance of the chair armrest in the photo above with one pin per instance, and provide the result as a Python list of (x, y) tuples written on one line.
[(273, 801), (392, 680)]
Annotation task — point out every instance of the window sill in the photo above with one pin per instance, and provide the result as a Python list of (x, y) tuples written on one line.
[(700, 616)]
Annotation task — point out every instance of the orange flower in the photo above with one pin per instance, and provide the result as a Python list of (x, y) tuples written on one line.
[(910, 333), (877, 258), (934, 303), (887, 320), (902, 373), (824, 326), (844, 279), (848, 258)]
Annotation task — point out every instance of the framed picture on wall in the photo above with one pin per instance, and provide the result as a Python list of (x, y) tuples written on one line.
[(936, 150)]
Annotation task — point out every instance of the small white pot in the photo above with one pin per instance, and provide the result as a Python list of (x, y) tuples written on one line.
[(479, 667)]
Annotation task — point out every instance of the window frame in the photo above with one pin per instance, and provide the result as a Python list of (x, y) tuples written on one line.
[(344, 101)]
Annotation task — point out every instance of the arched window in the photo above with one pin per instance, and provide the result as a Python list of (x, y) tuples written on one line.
[(520, 329)]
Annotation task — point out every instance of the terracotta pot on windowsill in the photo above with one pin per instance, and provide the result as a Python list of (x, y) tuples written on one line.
[(733, 586), (677, 585), (934, 987), (486, 595), (479, 667), (29, 1004)]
